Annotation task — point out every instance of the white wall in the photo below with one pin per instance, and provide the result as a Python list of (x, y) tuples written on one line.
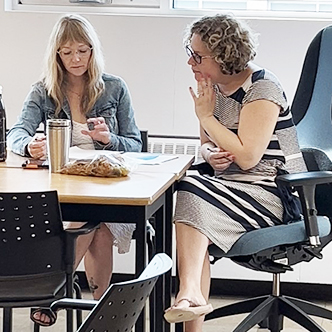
[(148, 53)]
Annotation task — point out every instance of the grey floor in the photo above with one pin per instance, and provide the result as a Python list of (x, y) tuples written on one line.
[(23, 323)]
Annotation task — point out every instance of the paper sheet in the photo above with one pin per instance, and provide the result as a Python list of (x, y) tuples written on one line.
[(148, 158), (138, 158)]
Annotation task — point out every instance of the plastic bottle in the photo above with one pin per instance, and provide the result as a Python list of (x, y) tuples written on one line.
[(3, 145)]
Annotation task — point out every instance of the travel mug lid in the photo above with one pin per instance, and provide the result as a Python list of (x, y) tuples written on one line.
[(58, 123)]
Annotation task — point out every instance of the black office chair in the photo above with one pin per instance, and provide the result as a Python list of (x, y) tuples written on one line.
[(36, 253), (122, 303), (311, 110), (265, 249)]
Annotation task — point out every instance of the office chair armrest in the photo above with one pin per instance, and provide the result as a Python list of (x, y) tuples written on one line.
[(305, 184), (305, 178), (67, 303), (84, 229)]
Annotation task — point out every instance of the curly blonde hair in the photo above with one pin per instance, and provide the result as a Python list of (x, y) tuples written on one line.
[(73, 28), (231, 42)]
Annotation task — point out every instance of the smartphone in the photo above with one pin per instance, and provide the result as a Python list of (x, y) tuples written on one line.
[(35, 163), (91, 126)]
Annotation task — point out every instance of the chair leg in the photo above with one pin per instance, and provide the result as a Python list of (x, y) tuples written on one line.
[(36, 327), (151, 238), (311, 308), (78, 295), (69, 322), (179, 327), (290, 310), (7, 319), (261, 312), (151, 253), (236, 308), (274, 323), (152, 304)]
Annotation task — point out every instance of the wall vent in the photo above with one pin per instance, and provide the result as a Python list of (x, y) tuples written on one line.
[(175, 145)]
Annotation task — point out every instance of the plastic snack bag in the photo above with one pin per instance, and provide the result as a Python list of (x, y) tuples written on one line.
[(101, 165)]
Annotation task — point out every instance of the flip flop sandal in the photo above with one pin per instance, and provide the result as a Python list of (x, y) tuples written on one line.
[(46, 311), (179, 315)]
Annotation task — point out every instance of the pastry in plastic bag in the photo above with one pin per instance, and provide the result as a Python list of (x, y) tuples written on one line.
[(101, 165)]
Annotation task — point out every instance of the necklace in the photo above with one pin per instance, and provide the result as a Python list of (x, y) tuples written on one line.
[(79, 96)]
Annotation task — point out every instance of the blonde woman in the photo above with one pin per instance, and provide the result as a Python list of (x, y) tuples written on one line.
[(99, 106)]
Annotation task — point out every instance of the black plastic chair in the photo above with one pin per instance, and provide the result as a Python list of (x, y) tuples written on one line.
[(276, 249), (37, 254), (122, 303)]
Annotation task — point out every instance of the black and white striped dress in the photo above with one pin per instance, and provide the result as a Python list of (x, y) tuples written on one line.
[(234, 201)]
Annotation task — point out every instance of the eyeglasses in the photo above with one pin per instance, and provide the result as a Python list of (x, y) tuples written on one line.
[(69, 54), (197, 58)]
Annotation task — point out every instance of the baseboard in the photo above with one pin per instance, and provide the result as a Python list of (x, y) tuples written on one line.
[(244, 288)]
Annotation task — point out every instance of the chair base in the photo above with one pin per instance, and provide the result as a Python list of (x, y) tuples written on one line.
[(269, 311)]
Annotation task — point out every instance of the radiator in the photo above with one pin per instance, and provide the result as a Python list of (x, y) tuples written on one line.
[(175, 145)]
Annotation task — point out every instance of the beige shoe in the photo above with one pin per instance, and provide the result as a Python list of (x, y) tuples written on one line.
[(179, 315)]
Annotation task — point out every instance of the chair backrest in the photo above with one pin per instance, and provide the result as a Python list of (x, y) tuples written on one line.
[(311, 110), (31, 234), (144, 138), (311, 107), (122, 303)]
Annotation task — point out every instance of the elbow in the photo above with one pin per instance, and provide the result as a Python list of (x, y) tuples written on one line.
[(246, 166), (247, 161)]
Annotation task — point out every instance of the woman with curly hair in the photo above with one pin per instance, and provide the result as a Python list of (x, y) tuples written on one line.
[(247, 137), (99, 106)]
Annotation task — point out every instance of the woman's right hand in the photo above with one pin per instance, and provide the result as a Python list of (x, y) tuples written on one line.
[(37, 147), (219, 159)]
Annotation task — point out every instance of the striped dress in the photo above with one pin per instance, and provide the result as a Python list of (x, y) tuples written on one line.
[(235, 201)]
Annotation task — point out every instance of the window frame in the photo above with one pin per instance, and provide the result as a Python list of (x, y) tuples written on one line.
[(164, 9)]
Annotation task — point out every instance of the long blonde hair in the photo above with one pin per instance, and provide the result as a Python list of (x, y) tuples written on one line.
[(73, 28)]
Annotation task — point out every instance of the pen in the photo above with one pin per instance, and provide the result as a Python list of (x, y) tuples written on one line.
[(209, 149)]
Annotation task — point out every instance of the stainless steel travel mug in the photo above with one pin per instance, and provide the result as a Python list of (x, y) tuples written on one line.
[(58, 134)]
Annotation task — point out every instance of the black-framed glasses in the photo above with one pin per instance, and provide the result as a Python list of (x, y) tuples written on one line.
[(197, 58)]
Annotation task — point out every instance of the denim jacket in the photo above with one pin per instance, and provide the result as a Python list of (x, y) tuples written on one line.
[(114, 105)]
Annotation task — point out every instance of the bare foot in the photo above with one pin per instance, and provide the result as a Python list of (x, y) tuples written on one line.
[(44, 317)]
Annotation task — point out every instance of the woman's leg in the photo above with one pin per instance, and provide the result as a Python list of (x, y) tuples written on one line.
[(196, 325), (98, 261), (82, 243), (193, 269)]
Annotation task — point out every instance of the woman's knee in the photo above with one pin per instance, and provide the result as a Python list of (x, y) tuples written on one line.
[(103, 234)]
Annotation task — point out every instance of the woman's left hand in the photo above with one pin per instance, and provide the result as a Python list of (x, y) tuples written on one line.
[(98, 130), (205, 98), (219, 159)]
